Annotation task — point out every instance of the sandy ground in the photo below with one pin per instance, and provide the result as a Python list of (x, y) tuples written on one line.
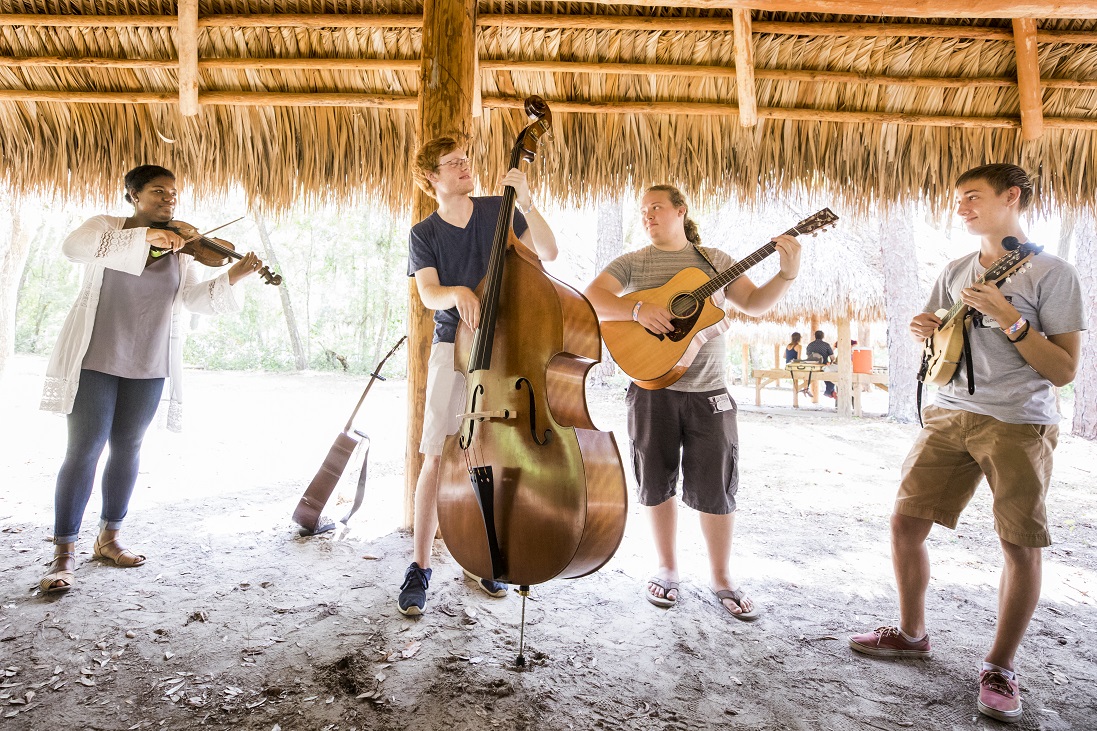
[(236, 622)]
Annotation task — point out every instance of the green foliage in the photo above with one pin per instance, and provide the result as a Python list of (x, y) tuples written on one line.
[(345, 273)]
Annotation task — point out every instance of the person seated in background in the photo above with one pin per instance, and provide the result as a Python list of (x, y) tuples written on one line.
[(819, 350), (792, 350)]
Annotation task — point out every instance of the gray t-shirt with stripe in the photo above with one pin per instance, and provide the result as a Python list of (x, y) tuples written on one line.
[(650, 267), (1049, 295)]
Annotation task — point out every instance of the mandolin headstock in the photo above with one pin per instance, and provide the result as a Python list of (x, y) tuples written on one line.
[(1017, 261)]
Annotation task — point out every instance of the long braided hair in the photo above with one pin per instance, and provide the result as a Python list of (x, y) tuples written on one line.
[(678, 201)]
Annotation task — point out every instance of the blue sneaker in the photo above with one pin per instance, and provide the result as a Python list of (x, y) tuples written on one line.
[(413, 592), (494, 589)]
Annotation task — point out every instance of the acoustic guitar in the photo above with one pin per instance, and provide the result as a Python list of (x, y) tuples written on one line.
[(943, 350), (656, 360)]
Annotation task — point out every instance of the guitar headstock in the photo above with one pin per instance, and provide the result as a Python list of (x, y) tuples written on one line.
[(816, 222)]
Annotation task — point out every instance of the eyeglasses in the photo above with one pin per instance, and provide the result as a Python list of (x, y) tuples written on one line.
[(461, 162)]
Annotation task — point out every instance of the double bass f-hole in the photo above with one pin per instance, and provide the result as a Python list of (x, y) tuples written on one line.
[(466, 439), (533, 413)]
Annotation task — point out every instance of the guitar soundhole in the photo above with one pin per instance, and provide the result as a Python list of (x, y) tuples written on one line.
[(683, 305)]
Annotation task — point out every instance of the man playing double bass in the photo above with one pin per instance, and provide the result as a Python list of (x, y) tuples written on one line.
[(448, 256)]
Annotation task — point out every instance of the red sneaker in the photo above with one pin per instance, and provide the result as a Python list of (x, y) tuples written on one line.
[(888, 642), (999, 696)]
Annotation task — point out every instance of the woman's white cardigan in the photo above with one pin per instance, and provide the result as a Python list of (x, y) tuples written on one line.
[(101, 244)]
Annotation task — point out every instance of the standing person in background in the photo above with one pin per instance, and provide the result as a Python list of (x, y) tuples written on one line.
[(821, 348), (689, 427), (114, 352), (449, 253)]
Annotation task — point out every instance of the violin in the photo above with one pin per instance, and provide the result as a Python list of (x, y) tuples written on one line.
[(212, 252)]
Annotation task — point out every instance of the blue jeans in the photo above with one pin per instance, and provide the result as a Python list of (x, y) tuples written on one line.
[(108, 409)]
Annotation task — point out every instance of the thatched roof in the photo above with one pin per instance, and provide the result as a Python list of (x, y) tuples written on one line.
[(882, 114)]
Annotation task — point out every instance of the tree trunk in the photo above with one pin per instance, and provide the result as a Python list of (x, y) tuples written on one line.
[(611, 244), (1066, 234), (905, 299), (1085, 382), (300, 358), (13, 257), (447, 84)]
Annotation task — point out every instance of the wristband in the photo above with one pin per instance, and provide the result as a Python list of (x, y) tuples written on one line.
[(525, 211), (1022, 336), (636, 312), (1016, 327)]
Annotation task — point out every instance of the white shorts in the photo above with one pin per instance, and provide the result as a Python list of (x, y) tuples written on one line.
[(445, 399)]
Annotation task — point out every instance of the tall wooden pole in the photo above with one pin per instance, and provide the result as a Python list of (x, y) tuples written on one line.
[(446, 92), (1028, 78), (187, 48)]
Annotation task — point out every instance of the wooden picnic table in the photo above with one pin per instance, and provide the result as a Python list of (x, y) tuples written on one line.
[(811, 375)]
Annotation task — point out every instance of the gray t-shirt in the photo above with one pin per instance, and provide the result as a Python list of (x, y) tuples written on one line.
[(651, 267), (133, 321), (1049, 295)]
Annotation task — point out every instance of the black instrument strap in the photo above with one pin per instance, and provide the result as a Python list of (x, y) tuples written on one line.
[(967, 358)]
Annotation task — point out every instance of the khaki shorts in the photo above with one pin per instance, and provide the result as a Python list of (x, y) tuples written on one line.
[(445, 399), (956, 449)]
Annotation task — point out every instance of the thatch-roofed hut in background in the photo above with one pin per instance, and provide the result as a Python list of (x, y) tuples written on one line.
[(876, 104)]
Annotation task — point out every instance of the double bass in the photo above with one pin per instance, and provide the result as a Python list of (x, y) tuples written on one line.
[(529, 489)]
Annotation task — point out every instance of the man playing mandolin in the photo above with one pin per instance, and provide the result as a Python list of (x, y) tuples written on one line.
[(448, 257), (689, 426), (1023, 343)]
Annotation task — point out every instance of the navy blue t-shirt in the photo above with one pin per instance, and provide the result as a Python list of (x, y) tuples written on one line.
[(460, 255)]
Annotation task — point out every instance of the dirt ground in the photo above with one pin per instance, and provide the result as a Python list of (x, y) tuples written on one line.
[(237, 622)]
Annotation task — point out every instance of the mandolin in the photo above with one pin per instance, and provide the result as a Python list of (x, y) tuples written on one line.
[(944, 348), (656, 360)]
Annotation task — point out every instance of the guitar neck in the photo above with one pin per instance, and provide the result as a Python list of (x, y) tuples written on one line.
[(733, 272)]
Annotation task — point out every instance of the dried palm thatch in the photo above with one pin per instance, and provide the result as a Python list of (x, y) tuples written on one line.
[(285, 153)]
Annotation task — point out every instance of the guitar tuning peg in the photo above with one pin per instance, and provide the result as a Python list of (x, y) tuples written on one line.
[(1009, 279)]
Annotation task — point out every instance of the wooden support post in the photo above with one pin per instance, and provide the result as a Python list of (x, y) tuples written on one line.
[(844, 384), (814, 381), (744, 69), (186, 42), (1028, 78), (445, 107)]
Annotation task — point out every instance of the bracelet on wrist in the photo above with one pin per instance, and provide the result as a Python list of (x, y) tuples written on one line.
[(1015, 327), (525, 210), (1024, 333), (636, 312), (782, 276)]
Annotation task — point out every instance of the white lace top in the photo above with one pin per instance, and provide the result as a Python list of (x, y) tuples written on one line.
[(100, 243)]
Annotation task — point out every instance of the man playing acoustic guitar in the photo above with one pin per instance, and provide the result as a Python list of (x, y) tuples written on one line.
[(1023, 343), (688, 426)]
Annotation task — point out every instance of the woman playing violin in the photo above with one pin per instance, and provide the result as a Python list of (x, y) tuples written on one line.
[(119, 343)]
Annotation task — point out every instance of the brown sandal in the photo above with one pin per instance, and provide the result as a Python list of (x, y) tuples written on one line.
[(63, 578), (121, 557)]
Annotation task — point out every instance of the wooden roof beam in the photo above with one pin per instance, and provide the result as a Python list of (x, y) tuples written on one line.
[(892, 8), (1028, 78), (534, 20), (744, 69), (408, 102), (186, 44)]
